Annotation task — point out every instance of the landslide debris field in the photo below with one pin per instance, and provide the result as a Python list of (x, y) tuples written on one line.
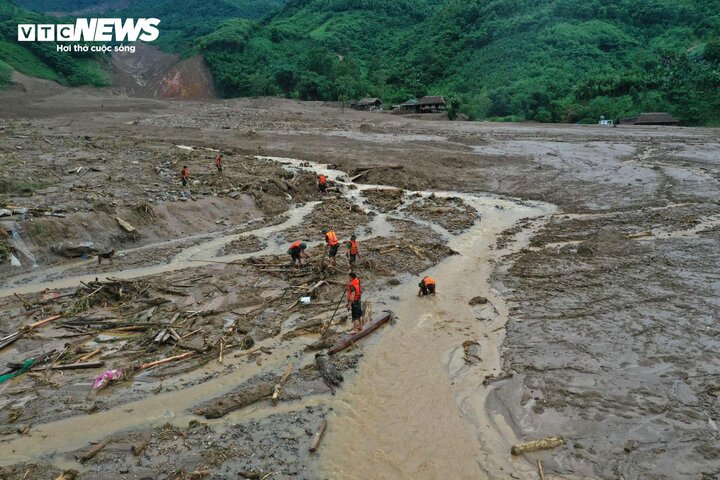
[(578, 294)]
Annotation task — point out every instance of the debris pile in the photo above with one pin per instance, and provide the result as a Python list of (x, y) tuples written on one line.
[(452, 213)]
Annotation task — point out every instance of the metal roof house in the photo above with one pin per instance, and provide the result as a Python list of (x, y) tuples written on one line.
[(406, 107), (431, 104), (653, 118), (369, 104)]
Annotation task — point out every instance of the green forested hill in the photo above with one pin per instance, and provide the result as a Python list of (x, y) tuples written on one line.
[(184, 21), (41, 59), (545, 60)]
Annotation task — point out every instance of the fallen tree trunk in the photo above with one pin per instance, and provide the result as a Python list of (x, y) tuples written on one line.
[(87, 455), (78, 366), (220, 407), (43, 322), (137, 448), (315, 443), (182, 356), (350, 340), (278, 388), (541, 470), (11, 338), (534, 445), (366, 168), (125, 225), (68, 475)]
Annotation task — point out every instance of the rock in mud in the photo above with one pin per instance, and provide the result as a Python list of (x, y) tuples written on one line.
[(479, 300), (328, 371), (74, 251)]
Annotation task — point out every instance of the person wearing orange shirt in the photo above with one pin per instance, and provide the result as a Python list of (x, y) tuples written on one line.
[(352, 251), (219, 162), (331, 244), (297, 253), (185, 175), (322, 183), (427, 287), (354, 296)]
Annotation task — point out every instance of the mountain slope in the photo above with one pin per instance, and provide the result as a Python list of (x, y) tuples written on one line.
[(41, 59), (559, 60)]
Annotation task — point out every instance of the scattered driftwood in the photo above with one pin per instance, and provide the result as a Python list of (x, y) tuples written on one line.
[(472, 352), (328, 371), (278, 388), (25, 304), (43, 322), (88, 454), (176, 358), (367, 168), (220, 407), (13, 337), (327, 340), (369, 328), (138, 447), (496, 378), (125, 225), (541, 470), (534, 445), (87, 357), (310, 326), (68, 475), (315, 443), (74, 366)]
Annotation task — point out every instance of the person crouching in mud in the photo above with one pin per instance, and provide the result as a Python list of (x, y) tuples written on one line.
[(427, 287), (297, 253), (354, 293), (322, 183)]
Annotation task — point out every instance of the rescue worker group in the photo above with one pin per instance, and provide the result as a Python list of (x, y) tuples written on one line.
[(332, 245)]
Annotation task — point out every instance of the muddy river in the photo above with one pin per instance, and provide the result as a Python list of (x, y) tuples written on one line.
[(415, 410)]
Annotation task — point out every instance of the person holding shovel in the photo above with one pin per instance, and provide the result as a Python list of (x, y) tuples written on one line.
[(354, 294)]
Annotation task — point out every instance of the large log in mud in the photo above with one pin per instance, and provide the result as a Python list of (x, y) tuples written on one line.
[(350, 340), (242, 397)]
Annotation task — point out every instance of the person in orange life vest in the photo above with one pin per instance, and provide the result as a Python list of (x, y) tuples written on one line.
[(185, 175), (354, 294), (352, 251), (297, 253), (219, 162), (331, 244), (427, 287), (322, 183)]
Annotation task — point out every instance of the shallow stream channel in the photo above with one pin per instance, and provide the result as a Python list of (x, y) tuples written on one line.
[(417, 406)]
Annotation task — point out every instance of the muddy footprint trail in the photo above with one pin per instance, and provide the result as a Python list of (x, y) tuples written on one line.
[(413, 404)]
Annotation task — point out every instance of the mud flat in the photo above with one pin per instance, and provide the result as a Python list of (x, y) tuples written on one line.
[(577, 293)]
